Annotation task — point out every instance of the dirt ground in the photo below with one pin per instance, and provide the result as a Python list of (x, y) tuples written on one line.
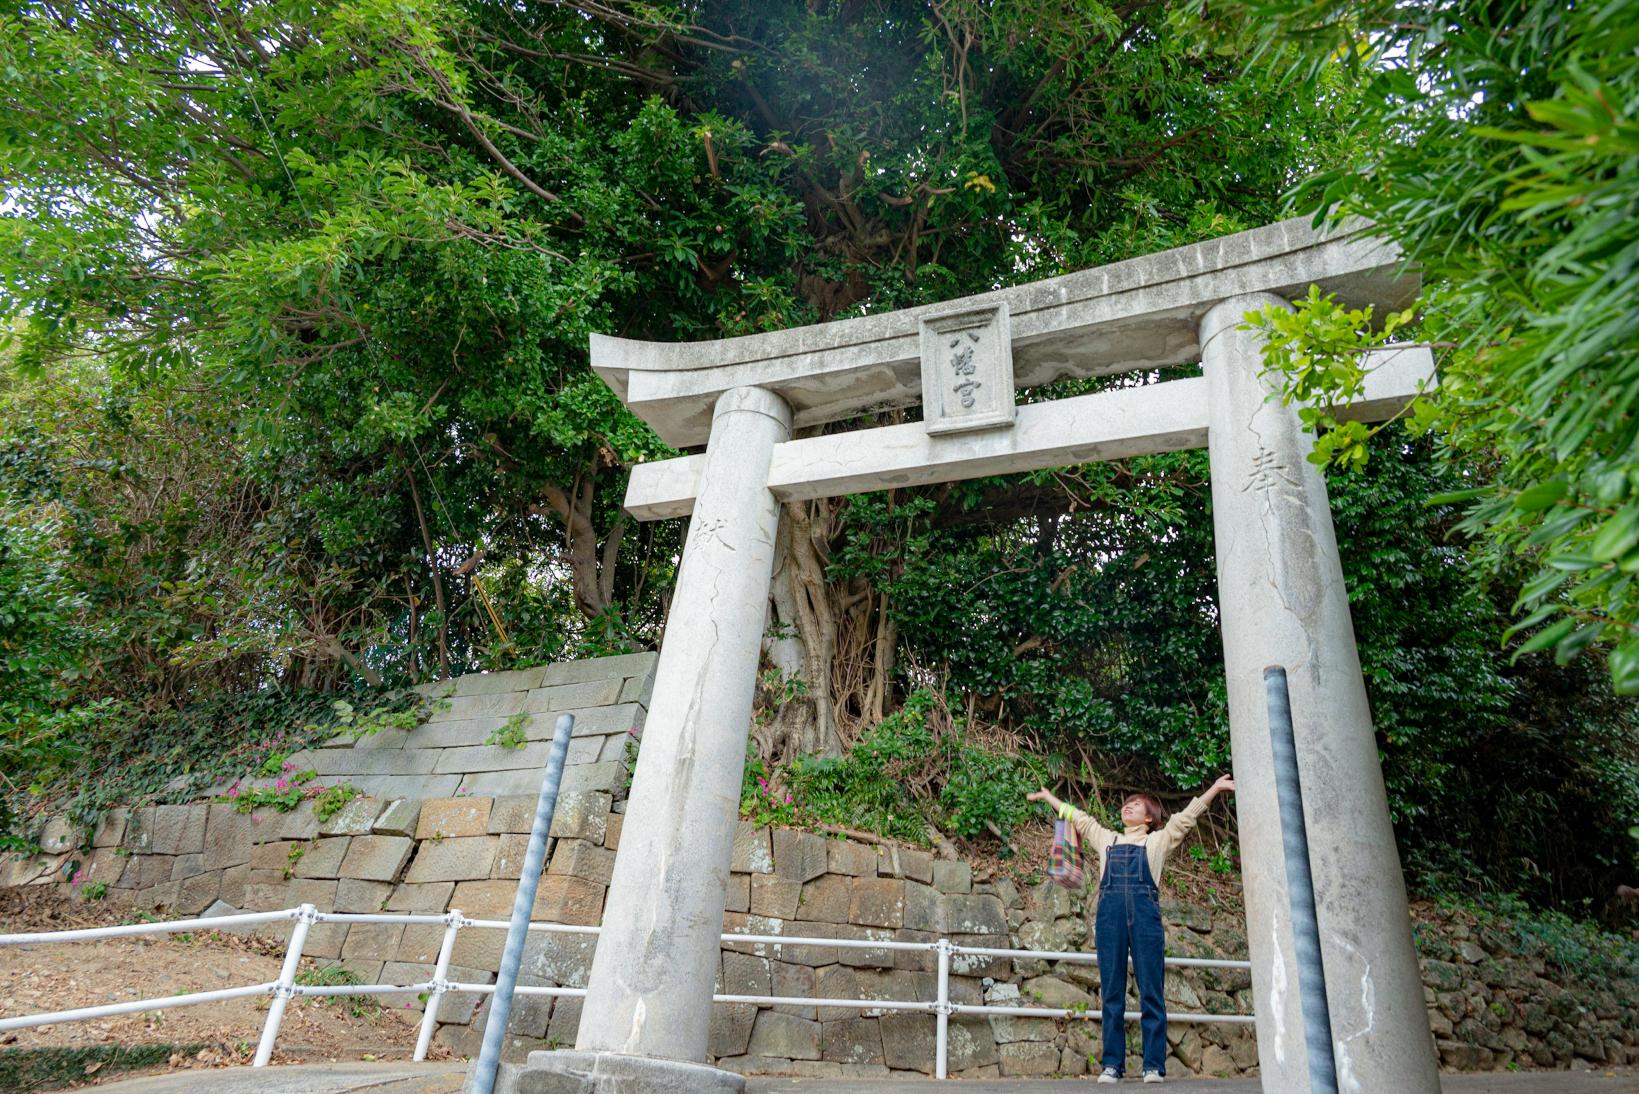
[(58, 976)]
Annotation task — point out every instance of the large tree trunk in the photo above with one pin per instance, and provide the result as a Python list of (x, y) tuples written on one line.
[(800, 643), (591, 558), (830, 645)]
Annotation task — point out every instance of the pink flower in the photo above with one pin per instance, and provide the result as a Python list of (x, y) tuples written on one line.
[(282, 784), (79, 876)]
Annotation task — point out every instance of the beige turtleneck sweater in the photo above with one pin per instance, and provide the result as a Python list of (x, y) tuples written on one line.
[(1157, 845)]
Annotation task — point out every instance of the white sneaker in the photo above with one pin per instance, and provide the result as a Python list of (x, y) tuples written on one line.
[(1109, 1075), (1153, 1077)]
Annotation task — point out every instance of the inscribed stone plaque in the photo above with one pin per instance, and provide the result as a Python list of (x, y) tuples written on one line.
[(967, 371)]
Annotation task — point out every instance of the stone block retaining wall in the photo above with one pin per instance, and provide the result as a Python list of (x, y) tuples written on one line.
[(442, 848)]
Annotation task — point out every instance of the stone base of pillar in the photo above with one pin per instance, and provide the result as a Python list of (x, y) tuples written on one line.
[(571, 1072)]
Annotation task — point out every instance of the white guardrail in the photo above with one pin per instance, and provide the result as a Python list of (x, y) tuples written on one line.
[(285, 987)]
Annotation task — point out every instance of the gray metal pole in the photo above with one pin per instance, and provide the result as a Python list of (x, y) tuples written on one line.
[(1300, 887), (482, 1079)]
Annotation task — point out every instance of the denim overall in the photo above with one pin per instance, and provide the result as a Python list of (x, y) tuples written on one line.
[(1129, 920)]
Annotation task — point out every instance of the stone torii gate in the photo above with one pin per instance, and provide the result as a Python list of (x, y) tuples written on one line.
[(1281, 602)]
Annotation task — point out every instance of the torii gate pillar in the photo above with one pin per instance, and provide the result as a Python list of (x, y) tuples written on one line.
[(1282, 601), (644, 1027)]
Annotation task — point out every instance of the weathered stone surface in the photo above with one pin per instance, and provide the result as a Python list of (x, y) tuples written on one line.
[(915, 960), (784, 1036), (1028, 1059), (420, 943), (565, 1024), (323, 858), (228, 837), (353, 819), (922, 908), (234, 879), (376, 858), (774, 895), (852, 1041), (1008, 1028), (853, 859), (905, 862), (972, 914), (460, 859), (423, 898), (745, 974), (583, 859), (510, 855), (877, 902), (731, 1028), (485, 899), (559, 958), (892, 985), (372, 941), (496, 683), (110, 830), (445, 817), (611, 838), (827, 899), (639, 690), (197, 892), (354, 895), (860, 957), (907, 1041), (737, 898), (186, 866), (751, 853), (952, 877), (1049, 991), (564, 899), (529, 1015), (794, 981), (179, 829), (616, 666), (970, 1043), (458, 1006), (563, 697), (398, 817), (800, 856)]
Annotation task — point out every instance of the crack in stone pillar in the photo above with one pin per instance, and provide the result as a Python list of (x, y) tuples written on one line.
[(648, 1003), (1282, 601)]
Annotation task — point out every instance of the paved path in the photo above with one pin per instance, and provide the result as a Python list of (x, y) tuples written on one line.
[(445, 1078)]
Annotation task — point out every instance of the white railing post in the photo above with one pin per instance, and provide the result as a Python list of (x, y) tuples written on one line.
[(284, 987), (453, 922), (941, 1035)]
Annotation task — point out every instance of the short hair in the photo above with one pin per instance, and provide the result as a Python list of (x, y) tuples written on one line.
[(1152, 806)]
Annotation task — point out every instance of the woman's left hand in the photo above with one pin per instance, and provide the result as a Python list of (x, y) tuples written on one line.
[(1225, 782)]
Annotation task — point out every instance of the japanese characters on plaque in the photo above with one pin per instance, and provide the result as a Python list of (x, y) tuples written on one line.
[(967, 371)]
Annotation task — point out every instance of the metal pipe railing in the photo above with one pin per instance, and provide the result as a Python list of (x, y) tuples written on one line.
[(285, 988)]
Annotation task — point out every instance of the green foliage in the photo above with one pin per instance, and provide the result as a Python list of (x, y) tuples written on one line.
[(332, 976), (1577, 948), (284, 795), (54, 1068), (331, 800), (912, 774), (512, 734), (1497, 146)]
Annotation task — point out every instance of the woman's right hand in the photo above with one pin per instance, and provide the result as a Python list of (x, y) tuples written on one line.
[(1038, 796)]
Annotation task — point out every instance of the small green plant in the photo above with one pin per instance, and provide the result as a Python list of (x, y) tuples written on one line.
[(285, 794), (348, 719), (94, 890), (513, 733), (330, 800), (629, 752), (332, 976), (292, 857)]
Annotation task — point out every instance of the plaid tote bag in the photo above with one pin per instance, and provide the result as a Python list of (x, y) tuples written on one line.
[(1065, 866)]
